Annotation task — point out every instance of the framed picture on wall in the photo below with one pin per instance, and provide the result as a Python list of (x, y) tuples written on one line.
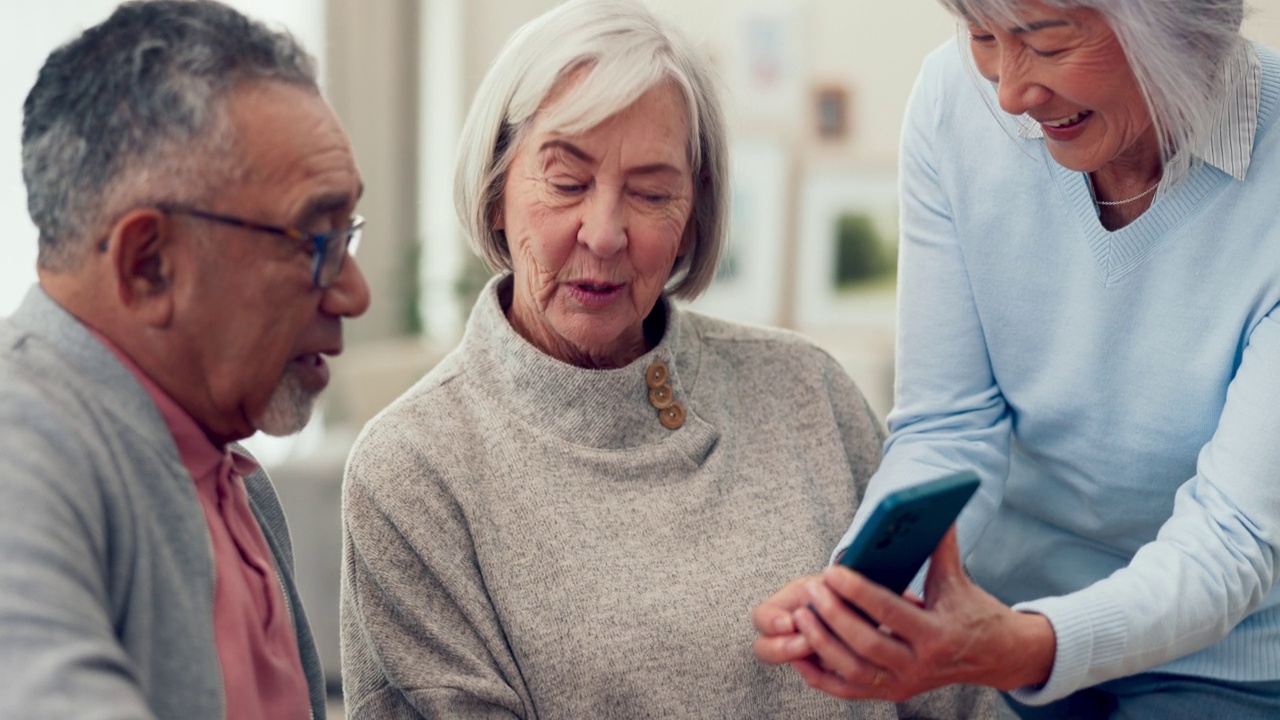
[(831, 107), (848, 246), (748, 285)]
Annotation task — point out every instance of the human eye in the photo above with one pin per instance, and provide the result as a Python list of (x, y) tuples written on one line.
[(1046, 53), (567, 185), (980, 35), (652, 197)]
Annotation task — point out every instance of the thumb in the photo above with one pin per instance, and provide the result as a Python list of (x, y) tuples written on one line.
[(945, 567)]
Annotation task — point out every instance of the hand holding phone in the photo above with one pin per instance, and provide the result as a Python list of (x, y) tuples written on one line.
[(905, 528)]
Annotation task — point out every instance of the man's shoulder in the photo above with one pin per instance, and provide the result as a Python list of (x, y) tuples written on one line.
[(35, 383), (56, 421)]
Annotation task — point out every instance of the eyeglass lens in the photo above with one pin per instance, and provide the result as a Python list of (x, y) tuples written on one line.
[(336, 248)]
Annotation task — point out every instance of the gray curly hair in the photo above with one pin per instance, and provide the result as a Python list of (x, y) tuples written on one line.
[(135, 106)]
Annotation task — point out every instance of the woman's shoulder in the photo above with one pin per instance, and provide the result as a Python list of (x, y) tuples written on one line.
[(715, 330), (746, 345), (423, 421)]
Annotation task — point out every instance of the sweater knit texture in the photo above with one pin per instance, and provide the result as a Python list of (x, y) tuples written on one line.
[(1117, 392), (524, 538), (106, 569)]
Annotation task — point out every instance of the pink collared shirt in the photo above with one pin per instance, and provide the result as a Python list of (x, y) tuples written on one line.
[(262, 673)]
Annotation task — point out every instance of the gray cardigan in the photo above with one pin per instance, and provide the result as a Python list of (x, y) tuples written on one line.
[(526, 539), (106, 574)]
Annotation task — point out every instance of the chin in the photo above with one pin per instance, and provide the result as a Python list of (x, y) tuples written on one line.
[(289, 408)]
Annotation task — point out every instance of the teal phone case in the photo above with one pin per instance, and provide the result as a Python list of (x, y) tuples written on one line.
[(905, 528)]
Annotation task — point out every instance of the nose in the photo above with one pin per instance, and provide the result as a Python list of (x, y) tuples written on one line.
[(1016, 86), (348, 296), (603, 230)]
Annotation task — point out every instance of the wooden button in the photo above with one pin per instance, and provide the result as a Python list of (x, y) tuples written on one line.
[(656, 375), (672, 417), (661, 397)]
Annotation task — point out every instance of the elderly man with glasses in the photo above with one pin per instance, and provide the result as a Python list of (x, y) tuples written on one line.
[(195, 198)]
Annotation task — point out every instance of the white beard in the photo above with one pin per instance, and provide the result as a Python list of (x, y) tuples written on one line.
[(289, 407)]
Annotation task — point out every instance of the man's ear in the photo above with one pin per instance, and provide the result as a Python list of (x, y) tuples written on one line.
[(143, 259)]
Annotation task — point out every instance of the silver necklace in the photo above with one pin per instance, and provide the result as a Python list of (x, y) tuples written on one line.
[(1139, 196)]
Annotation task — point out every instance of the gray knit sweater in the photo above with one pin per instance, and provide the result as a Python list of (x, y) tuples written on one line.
[(525, 538), (106, 568)]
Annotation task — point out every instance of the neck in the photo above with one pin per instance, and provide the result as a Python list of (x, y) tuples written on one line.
[(527, 320), (619, 353), (1125, 187), (1123, 198), (96, 303)]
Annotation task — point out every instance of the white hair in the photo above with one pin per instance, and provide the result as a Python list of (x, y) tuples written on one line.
[(628, 51), (1178, 51)]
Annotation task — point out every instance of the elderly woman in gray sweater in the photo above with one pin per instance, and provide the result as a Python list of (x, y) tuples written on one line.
[(573, 515)]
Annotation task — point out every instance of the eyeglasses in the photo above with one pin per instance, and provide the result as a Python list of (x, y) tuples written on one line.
[(330, 248)]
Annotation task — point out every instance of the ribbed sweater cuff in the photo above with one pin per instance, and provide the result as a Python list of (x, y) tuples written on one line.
[(1088, 635)]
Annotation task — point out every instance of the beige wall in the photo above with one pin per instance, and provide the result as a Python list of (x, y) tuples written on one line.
[(872, 47), (372, 80), (378, 69)]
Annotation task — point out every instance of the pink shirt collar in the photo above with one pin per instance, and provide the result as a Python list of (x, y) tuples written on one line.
[(200, 456)]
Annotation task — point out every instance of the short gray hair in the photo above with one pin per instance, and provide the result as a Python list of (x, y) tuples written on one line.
[(136, 105), (1177, 49), (629, 51)]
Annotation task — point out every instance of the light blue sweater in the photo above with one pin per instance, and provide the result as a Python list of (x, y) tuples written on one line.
[(1118, 392)]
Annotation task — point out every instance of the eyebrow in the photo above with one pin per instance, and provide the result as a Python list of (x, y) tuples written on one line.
[(1038, 25), (1022, 29), (327, 204), (568, 147), (574, 150)]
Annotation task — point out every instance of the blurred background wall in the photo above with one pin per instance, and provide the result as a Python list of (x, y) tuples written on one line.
[(815, 91)]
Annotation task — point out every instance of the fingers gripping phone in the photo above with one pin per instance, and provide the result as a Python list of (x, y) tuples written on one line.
[(905, 528)]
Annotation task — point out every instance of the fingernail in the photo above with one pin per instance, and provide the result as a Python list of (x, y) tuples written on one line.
[(814, 589), (784, 624), (797, 645)]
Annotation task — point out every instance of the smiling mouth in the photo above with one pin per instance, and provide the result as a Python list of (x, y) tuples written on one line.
[(1069, 121)]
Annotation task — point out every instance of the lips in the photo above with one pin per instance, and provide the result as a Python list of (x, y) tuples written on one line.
[(596, 287), (312, 369), (594, 293)]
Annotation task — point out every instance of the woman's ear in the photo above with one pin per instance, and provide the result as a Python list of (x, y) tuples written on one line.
[(688, 238), (499, 218), (141, 250)]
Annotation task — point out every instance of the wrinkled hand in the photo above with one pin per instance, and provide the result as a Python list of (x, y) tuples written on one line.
[(780, 640), (961, 634)]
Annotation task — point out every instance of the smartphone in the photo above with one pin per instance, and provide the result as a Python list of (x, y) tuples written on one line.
[(905, 528)]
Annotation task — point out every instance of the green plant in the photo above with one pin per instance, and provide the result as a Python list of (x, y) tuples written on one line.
[(860, 253)]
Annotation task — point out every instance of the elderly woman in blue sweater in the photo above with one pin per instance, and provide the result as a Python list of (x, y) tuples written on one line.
[(1089, 290)]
